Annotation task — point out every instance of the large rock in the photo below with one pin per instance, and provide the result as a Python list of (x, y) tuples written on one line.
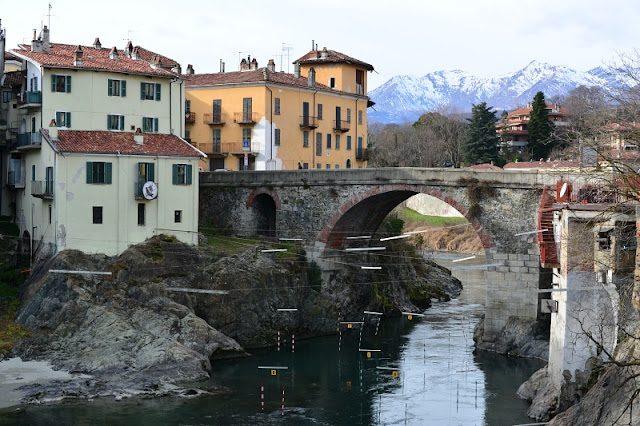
[(520, 337)]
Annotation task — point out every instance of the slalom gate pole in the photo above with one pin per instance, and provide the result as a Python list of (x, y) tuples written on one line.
[(293, 342), (282, 406), (278, 340), (262, 396)]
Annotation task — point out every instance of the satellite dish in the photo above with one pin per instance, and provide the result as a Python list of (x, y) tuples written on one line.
[(563, 190), (150, 190)]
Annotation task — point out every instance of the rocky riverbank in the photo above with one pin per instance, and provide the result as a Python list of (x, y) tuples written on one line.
[(129, 334)]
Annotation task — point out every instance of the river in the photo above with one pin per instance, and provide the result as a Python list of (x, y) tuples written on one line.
[(421, 371)]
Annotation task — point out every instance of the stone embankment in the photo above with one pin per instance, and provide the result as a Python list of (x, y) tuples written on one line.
[(133, 336)]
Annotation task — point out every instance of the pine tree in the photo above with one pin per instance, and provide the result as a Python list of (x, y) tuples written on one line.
[(540, 137), (481, 143)]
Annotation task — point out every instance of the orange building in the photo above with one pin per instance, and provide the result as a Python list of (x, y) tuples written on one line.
[(261, 119), (514, 130)]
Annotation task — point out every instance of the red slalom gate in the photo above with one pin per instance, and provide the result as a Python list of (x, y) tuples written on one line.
[(282, 406), (293, 342), (278, 340), (262, 395)]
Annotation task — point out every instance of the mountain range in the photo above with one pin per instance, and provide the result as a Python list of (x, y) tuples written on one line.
[(404, 98)]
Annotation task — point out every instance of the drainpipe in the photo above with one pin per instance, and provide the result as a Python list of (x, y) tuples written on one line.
[(313, 138), (170, 107), (270, 123)]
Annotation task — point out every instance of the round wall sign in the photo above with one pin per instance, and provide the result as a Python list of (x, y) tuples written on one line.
[(150, 190)]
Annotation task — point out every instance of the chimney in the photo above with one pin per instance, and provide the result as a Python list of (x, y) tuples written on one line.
[(129, 49), (78, 57), (313, 43), (138, 137), (296, 70), (44, 35), (113, 54), (97, 44), (271, 65), (312, 77), (135, 53), (244, 64), (223, 67), (156, 64), (324, 53), (190, 69), (177, 69), (253, 65), (53, 130)]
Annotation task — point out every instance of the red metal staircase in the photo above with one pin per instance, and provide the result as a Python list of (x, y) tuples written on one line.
[(546, 241)]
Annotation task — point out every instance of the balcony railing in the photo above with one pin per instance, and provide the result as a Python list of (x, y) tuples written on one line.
[(308, 122), (15, 178), (190, 117), (224, 148), (341, 126), (30, 99), (245, 117), (29, 140), (42, 188), (213, 119), (359, 89), (362, 154)]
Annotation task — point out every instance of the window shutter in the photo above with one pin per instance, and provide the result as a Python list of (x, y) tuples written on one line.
[(142, 91), (53, 82), (174, 176), (122, 122), (67, 122), (68, 84), (158, 87), (109, 122), (89, 172), (123, 88), (189, 174), (155, 125), (107, 172), (58, 118), (110, 88), (151, 174)]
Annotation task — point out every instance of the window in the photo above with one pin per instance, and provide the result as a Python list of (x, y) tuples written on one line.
[(305, 166), (98, 172), (318, 166), (246, 110), (277, 137), (246, 134), (217, 139), (33, 86), (63, 119), (348, 142), (276, 107), (328, 166), (146, 172), (332, 82), (360, 116), (6, 96), (328, 140), (318, 143), (319, 111), (217, 111), (97, 214), (182, 174), (117, 88), (348, 164), (187, 135), (187, 106), (150, 91), (115, 122), (348, 115), (33, 172), (49, 181), (337, 141), (50, 213), (149, 125), (61, 83), (337, 166), (141, 208), (305, 138), (177, 216)]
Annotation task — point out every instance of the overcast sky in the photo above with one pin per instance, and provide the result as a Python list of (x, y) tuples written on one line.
[(413, 37)]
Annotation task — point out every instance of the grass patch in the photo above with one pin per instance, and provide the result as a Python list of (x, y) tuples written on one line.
[(8, 228), (412, 216), (231, 245), (10, 332)]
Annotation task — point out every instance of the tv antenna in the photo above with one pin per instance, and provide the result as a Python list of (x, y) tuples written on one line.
[(240, 52), (285, 48), (128, 39), (49, 15)]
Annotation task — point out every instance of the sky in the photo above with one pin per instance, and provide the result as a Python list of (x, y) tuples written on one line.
[(402, 37)]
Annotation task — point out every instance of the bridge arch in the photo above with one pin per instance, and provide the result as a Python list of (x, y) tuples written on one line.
[(364, 212), (264, 203)]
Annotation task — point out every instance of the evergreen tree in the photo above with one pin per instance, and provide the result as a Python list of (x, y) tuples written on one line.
[(481, 143), (540, 138)]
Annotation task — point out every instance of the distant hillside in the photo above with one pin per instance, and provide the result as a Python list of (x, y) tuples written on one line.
[(405, 98)]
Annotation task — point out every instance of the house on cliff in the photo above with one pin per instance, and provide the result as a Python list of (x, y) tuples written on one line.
[(97, 159)]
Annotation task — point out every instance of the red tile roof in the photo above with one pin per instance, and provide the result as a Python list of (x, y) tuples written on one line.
[(8, 56), (62, 56), (106, 142), (331, 57), (484, 166), (527, 110), (13, 79), (541, 165)]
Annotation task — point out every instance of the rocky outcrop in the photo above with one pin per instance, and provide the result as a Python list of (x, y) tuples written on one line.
[(520, 337)]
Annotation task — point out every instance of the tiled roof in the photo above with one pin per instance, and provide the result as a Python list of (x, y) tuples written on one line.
[(62, 56), (541, 165), (147, 55), (330, 57), (13, 79), (484, 166), (620, 127), (254, 76), (527, 110), (106, 142), (8, 56)]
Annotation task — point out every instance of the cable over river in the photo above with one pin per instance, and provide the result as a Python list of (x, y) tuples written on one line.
[(388, 371)]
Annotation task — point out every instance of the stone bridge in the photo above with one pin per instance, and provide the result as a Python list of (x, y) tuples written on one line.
[(324, 207)]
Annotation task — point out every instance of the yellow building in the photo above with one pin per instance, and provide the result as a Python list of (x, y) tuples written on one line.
[(260, 119)]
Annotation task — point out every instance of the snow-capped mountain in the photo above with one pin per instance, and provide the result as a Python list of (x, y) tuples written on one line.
[(405, 98)]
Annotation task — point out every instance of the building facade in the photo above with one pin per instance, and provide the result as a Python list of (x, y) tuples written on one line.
[(260, 119), (514, 129)]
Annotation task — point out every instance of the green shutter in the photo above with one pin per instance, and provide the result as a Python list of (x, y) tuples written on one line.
[(110, 89), (68, 120), (158, 87), (174, 177), (107, 172), (53, 82), (123, 88), (68, 84), (142, 91), (151, 175), (89, 172), (108, 121), (189, 174), (122, 122), (155, 125), (58, 118)]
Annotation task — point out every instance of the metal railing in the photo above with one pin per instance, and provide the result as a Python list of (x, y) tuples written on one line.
[(42, 188), (225, 147), (30, 98), (16, 178), (362, 154), (245, 117), (190, 117), (213, 119), (359, 89), (341, 125), (308, 122), (26, 139)]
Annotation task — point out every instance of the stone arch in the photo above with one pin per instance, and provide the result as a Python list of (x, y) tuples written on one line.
[(252, 197), (25, 243), (374, 205), (264, 203)]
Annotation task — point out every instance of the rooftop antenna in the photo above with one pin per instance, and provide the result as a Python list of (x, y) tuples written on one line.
[(128, 39), (285, 48), (240, 52), (49, 16)]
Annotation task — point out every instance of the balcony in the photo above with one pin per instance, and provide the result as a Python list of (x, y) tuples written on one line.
[(341, 126), (213, 119), (26, 141), (138, 191), (42, 189), (308, 122), (15, 178), (30, 100), (190, 117), (226, 148), (359, 89), (245, 117), (362, 154)]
